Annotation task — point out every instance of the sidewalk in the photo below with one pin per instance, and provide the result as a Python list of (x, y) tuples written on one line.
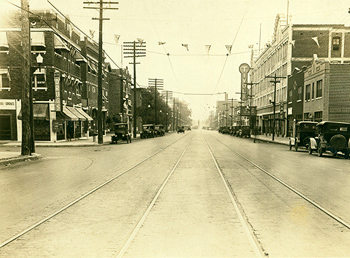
[(7, 157), (268, 138)]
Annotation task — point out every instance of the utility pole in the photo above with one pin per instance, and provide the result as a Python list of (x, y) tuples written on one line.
[(274, 101), (133, 50), (99, 5), (26, 148), (174, 113), (250, 96), (155, 83), (231, 107)]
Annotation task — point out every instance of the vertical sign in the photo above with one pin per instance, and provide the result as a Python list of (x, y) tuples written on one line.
[(244, 69), (57, 91)]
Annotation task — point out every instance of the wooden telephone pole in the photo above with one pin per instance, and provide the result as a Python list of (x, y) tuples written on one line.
[(100, 6), (133, 50), (157, 84)]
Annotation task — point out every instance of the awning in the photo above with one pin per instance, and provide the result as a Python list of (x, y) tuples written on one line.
[(59, 43), (4, 45), (38, 39), (82, 112), (76, 113), (40, 112), (60, 116), (68, 113), (79, 57)]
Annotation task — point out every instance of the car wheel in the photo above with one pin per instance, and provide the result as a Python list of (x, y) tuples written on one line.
[(296, 146)]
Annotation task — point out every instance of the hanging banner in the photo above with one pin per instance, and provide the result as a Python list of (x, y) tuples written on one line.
[(57, 91), (244, 69)]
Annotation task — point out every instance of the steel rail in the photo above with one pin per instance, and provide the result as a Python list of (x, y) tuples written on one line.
[(148, 210), (23, 232), (258, 250), (315, 204)]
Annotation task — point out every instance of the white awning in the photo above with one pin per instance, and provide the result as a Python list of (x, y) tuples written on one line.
[(79, 57), (4, 45), (81, 111), (38, 39), (59, 43)]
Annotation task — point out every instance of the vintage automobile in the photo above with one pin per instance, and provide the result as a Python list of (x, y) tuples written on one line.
[(180, 129), (302, 132), (332, 137), (234, 130), (121, 132), (147, 131), (159, 130), (244, 131)]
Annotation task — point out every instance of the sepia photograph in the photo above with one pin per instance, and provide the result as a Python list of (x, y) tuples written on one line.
[(174, 128)]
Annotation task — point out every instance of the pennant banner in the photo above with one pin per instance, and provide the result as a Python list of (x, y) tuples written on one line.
[(92, 33), (161, 43), (316, 40), (207, 47), (116, 38), (186, 46), (229, 48)]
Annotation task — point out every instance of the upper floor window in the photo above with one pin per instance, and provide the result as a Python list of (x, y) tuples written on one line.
[(300, 92), (39, 79), (4, 46), (5, 79), (336, 43), (319, 89), (38, 42), (308, 92)]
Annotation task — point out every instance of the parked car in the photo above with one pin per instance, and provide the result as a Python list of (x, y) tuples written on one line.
[(147, 131), (159, 130), (302, 132), (180, 129), (234, 130), (331, 137), (121, 132), (244, 131)]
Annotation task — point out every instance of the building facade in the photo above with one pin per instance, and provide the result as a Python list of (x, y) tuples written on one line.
[(64, 86), (327, 92), (292, 46)]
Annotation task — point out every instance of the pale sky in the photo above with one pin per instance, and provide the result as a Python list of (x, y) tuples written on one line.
[(196, 23)]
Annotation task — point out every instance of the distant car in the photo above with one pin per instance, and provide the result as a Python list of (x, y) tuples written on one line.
[(121, 132), (331, 137), (303, 131), (147, 131), (244, 131), (159, 130), (181, 129)]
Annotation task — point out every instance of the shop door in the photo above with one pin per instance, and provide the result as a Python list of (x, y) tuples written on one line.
[(5, 127)]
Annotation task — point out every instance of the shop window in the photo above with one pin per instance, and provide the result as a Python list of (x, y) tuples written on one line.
[(336, 43), (319, 89)]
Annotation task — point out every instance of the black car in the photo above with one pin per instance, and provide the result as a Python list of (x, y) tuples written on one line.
[(302, 132), (121, 132), (331, 137), (147, 131), (180, 129)]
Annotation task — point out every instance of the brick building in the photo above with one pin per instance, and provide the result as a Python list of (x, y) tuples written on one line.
[(293, 46), (64, 86), (327, 92)]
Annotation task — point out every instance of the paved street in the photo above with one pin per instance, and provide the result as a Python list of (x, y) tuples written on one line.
[(198, 194)]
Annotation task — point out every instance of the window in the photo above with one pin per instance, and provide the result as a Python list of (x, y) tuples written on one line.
[(300, 92), (319, 89), (290, 96), (39, 80), (4, 46), (336, 43), (5, 79), (313, 90), (318, 116), (307, 92)]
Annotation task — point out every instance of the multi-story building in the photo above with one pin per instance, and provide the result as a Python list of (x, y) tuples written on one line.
[(64, 86), (120, 96), (293, 46), (327, 92)]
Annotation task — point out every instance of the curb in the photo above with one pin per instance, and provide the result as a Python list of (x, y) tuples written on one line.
[(270, 141), (5, 162)]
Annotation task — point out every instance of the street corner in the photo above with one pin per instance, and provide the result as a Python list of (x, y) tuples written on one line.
[(18, 158)]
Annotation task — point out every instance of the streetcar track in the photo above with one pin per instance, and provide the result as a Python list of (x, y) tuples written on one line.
[(303, 196), (28, 229), (253, 240), (149, 208)]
